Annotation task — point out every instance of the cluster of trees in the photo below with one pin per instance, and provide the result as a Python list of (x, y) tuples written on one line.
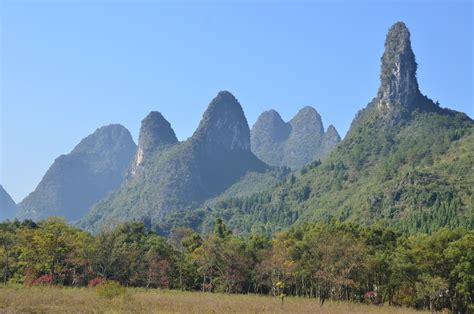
[(338, 261)]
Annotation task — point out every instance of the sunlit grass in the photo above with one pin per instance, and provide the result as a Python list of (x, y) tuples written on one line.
[(55, 299)]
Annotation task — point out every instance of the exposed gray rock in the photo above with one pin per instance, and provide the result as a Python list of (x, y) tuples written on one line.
[(398, 90)]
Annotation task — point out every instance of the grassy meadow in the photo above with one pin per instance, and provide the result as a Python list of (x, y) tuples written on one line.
[(55, 299)]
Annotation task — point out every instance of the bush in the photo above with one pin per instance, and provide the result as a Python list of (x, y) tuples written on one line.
[(95, 282), (44, 280), (110, 289)]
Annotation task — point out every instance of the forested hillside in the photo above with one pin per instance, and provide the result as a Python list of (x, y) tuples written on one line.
[(405, 162)]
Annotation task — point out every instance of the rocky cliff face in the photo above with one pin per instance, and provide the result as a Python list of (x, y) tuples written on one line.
[(74, 182), (223, 125), (398, 90), (155, 133), (183, 175), (7, 205), (294, 143)]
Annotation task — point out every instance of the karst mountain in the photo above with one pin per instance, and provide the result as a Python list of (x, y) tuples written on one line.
[(76, 181), (170, 176), (405, 162), (7, 205), (295, 143)]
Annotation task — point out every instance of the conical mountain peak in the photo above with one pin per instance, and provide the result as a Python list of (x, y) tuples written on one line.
[(398, 83), (271, 114), (330, 139), (332, 131), (103, 139), (224, 124), (307, 110), (184, 175), (155, 132), (269, 126), (307, 121), (294, 143)]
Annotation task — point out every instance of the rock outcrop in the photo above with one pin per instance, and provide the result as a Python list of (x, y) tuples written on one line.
[(398, 91)]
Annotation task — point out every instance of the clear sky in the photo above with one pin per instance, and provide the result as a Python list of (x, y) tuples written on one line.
[(67, 68)]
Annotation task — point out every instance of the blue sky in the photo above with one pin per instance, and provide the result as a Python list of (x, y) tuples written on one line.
[(69, 67)]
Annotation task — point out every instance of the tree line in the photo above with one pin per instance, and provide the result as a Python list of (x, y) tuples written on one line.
[(329, 261)]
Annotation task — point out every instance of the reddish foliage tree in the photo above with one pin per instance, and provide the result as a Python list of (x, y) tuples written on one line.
[(95, 282), (158, 271), (44, 280)]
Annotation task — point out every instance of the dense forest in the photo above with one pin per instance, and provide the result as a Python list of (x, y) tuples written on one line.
[(328, 261)]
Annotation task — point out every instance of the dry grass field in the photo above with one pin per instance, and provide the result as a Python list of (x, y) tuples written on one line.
[(18, 299)]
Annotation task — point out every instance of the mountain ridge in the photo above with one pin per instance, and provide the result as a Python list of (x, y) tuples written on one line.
[(295, 143), (387, 170), (182, 176), (8, 206), (74, 182)]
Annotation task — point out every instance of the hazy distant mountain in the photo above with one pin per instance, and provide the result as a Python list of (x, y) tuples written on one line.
[(170, 176), (294, 143), (405, 162), (74, 182), (7, 205)]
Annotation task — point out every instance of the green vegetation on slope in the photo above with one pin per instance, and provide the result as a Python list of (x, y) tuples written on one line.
[(398, 164), (416, 176), (203, 218)]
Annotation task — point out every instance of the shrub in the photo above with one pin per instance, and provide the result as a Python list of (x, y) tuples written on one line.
[(44, 280), (110, 289), (95, 282), (371, 297)]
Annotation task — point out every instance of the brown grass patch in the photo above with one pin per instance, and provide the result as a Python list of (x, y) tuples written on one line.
[(14, 299)]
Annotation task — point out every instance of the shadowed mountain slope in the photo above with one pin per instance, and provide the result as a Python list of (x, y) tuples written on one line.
[(74, 182), (179, 176), (295, 143), (7, 205)]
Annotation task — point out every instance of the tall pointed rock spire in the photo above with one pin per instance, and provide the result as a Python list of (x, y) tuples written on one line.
[(398, 84)]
